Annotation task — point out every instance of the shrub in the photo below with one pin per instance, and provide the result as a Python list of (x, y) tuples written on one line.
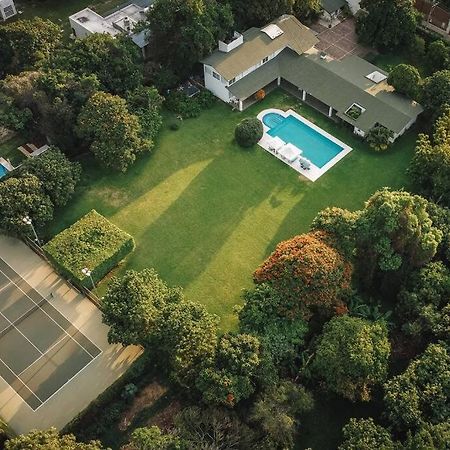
[(205, 99), (248, 132), (379, 137), (174, 126), (179, 103), (92, 242)]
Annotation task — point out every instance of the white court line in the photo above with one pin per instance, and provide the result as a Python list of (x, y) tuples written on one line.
[(21, 333), (7, 285), (37, 304)]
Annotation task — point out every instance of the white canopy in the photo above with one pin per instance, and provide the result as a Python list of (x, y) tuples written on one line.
[(289, 152)]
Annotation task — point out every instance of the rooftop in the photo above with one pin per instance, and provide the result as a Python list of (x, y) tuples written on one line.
[(286, 31)]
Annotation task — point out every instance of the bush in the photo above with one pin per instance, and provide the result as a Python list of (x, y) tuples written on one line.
[(174, 126), (205, 99), (179, 103), (92, 242), (249, 132)]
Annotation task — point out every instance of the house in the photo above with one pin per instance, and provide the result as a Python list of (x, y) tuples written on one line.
[(332, 8), (121, 21), (7, 9), (282, 54), (436, 16)]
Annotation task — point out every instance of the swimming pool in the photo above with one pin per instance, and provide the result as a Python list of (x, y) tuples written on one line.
[(3, 170), (315, 146)]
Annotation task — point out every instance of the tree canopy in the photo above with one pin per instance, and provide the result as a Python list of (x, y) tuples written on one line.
[(352, 356), (436, 93), (405, 79), (364, 434)]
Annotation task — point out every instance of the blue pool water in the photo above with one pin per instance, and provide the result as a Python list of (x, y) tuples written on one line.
[(3, 170), (314, 146)]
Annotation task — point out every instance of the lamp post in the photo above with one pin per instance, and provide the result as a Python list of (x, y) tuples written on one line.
[(27, 221), (88, 273)]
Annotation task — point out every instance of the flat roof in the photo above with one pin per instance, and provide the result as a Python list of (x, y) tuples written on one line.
[(258, 45)]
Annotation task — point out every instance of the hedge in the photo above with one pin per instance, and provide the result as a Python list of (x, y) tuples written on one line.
[(93, 242)]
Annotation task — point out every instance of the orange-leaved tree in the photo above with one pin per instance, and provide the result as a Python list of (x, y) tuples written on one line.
[(310, 273)]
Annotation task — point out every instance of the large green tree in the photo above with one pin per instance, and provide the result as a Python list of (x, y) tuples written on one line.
[(430, 166), (22, 197), (308, 272), (115, 61), (387, 24), (27, 43), (352, 356), (49, 440), (58, 175), (152, 438), (421, 393), (436, 94), (184, 31), (132, 305), (364, 434), (114, 134), (406, 80)]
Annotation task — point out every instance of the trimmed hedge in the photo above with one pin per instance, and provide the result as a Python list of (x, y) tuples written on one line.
[(248, 132), (92, 242)]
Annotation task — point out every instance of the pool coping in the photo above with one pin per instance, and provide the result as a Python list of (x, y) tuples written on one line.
[(315, 172)]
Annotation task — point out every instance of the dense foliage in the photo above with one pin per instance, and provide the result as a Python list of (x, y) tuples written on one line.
[(364, 434), (379, 137), (93, 242), (405, 79), (248, 132)]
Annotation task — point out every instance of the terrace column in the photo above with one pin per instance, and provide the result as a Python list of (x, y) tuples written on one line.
[(241, 107), (279, 81), (304, 95), (330, 112)]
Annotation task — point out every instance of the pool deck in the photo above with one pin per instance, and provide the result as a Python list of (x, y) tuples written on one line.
[(314, 172)]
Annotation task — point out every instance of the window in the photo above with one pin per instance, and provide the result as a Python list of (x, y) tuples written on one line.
[(265, 60), (231, 81), (216, 76)]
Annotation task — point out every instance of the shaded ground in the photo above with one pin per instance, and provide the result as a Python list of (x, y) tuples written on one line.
[(339, 41)]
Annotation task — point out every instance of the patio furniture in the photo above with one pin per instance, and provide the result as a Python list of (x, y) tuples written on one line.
[(289, 153), (275, 144)]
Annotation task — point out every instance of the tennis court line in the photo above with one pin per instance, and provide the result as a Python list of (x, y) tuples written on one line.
[(37, 304), (4, 287)]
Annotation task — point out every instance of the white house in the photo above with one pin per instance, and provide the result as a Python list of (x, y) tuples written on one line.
[(282, 54), (122, 21), (7, 9)]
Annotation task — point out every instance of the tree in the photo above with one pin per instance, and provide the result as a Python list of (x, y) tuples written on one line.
[(437, 56), (421, 393), (430, 166), (185, 340), (352, 356), (395, 232), (387, 24), (436, 93), (405, 79), (151, 438), (429, 436), (22, 197), (277, 410), (146, 104), (183, 32), (115, 60), (424, 302), (49, 440), (231, 376), (364, 434), (28, 43), (213, 428), (113, 133), (306, 10), (379, 137), (255, 13), (58, 175), (308, 272), (248, 132), (132, 305)]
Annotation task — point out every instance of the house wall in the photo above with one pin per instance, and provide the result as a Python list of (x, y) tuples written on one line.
[(78, 29), (217, 87)]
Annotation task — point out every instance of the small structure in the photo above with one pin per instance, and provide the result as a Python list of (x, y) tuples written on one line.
[(436, 16), (331, 9), (31, 151), (7, 9), (123, 21)]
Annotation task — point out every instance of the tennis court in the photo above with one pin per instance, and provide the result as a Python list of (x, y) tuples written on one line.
[(40, 350)]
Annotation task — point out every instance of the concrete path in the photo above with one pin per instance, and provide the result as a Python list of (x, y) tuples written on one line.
[(93, 379)]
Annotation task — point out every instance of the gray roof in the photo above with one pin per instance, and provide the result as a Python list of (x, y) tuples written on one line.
[(338, 84), (257, 45), (332, 6)]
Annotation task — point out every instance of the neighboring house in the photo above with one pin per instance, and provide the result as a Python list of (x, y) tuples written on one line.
[(7, 9), (121, 21), (435, 16), (282, 54), (332, 8)]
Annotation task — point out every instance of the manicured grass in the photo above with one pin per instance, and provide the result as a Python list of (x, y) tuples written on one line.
[(205, 213)]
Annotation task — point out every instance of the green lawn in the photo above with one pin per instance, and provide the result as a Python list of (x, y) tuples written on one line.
[(8, 150), (205, 213)]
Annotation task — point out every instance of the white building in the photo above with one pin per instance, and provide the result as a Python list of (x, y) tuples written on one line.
[(122, 21), (7, 9), (283, 54)]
